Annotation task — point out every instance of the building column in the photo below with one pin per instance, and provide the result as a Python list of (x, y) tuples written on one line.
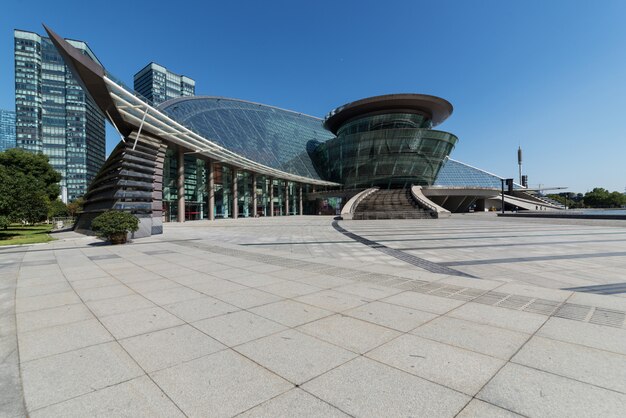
[(211, 191), (235, 197), (254, 201), (180, 183), (300, 209), (286, 198), (271, 197)]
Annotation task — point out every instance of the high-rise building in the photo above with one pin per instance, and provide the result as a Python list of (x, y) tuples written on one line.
[(53, 114), (158, 84), (7, 129)]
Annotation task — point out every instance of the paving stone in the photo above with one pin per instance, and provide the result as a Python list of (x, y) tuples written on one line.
[(172, 295), (200, 308), (58, 378), (249, 298), (499, 317), (223, 384), (138, 397), (295, 403), (43, 289), (478, 408), (289, 289), (290, 313), (366, 388), (152, 285), (214, 286), (485, 339), (350, 333), (238, 327), (53, 300), (392, 316), (97, 282), (590, 335), (295, 356), (256, 280), (119, 305), (602, 301), (139, 322), (428, 303), (450, 366), (532, 392), (333, 300), (368, 290), (169, 347), (45, 318), (324, 281), (61, 338), (523, 289), (106, 292), (598, 367)]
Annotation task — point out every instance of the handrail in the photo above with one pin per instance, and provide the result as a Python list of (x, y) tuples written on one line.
[(348, 209), (416, 192)]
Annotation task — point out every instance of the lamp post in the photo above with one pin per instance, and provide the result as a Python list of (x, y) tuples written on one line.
[(502, 205)]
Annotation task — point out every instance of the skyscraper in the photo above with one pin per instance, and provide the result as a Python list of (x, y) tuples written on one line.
[(53, 114), (158, 84), (7, 129)]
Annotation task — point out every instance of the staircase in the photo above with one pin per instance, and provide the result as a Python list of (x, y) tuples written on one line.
[(391, 204)]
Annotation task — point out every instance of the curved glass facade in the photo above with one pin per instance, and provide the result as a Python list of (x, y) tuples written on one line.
[(268, 135), (385, 150), (457, 174)]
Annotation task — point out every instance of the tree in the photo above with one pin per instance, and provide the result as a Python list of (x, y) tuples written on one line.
[(58, 209), (34, 165), (616, 200), (27, 185), (75, 206), (597, 198)]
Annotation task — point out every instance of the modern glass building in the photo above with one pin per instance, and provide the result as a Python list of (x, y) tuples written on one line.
[(386, 141), (157, 84), (53, 114), (274, 137), (214, 157), (7, 129), (455, 173)]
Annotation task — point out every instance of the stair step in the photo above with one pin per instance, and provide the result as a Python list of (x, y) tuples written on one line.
[(391, 204)]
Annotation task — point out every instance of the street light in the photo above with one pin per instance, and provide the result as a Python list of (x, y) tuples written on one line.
[(502, 204), (509, 183)]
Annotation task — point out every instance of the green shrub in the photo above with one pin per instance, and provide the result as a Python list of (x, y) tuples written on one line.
[(114, 225), (4, 222)]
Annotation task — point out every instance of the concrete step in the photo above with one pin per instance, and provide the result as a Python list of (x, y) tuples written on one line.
[(390, 204)]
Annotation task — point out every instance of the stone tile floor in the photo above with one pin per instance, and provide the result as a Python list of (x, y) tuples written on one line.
[(289, 317)]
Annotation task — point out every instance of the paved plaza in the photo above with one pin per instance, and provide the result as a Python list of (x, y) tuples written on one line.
[(307, 316)]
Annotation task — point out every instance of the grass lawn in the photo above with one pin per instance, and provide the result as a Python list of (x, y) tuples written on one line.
[(25, 234)]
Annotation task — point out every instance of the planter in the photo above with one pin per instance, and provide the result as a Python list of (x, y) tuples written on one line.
[(118, 238)]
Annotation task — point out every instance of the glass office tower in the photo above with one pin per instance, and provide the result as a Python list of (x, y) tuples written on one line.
[(53, 114), (158, 84), (7, 129)]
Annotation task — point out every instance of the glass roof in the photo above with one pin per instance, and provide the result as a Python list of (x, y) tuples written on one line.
[(271, 136), (454, 173)]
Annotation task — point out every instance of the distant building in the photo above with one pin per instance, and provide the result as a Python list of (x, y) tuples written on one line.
[(53, 114), (7, 129), (158, 84)]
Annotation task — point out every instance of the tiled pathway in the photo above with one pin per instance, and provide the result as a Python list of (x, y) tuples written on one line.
[(205, 321)]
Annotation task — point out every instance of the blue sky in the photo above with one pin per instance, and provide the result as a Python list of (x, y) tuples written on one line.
[(547, 75)]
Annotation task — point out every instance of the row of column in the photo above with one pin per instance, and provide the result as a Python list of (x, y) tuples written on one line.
[(180, 182)]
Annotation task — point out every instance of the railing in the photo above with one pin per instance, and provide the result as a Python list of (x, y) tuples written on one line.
[(62, 223), (416, 192), (348, 209)]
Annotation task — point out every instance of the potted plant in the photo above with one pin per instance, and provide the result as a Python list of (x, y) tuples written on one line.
[(114, 225)]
